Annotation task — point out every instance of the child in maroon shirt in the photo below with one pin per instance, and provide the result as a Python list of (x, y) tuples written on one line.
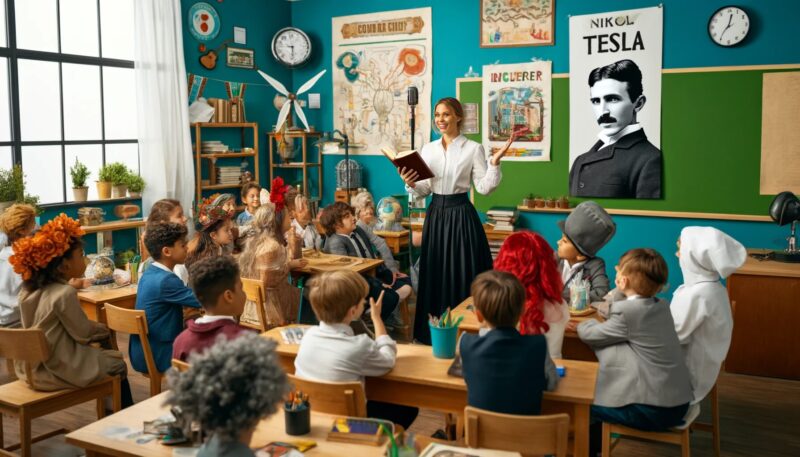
[(218, 287)]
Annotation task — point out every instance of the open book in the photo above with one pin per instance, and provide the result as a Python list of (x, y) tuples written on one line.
[(410, 160)]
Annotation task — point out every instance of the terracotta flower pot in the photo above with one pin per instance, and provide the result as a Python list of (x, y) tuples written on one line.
[(134, 194), (119, 191), (80, 194), (103, 190)]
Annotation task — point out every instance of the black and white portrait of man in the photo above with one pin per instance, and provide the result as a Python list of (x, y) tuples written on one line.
[(622, 163)]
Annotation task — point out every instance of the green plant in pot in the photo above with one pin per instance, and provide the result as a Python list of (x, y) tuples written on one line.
[(135, 185), (114, 176), (79, 173), (8, 189)]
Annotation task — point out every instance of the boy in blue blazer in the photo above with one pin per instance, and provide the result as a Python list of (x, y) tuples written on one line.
[(162, 295), (505, 372)]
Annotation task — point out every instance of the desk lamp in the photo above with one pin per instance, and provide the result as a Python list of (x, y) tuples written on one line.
[(783, 210)]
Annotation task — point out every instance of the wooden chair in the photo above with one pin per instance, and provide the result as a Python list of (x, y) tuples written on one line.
[(19, 399), (254, 289), (134, 322), (528, 435), (678, 435), (408, 325), (180, 365), (343, 398)]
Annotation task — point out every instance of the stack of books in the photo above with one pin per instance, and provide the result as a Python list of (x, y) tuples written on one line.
[(213, 147), (228, 175), (502, 218)]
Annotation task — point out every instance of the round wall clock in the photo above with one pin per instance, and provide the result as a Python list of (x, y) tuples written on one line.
[(728, 26), (291, 47), (204, 23)]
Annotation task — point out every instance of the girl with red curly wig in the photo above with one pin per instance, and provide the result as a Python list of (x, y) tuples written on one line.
[(527, 256)]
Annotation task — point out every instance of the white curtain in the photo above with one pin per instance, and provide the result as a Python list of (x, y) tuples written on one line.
[(162, 104)]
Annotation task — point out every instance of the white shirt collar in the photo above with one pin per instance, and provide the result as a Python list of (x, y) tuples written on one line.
[(206, 319), (633, 297), (609, 140), (458, 141), (162, 266), (336, 328)]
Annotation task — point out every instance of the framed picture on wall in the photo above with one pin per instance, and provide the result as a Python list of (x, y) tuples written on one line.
[(241, 58), (511, 23)]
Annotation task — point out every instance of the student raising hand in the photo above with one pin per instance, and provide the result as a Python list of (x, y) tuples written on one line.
[(375, 307)]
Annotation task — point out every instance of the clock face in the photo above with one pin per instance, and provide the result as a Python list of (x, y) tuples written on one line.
[(728, 26), (291, 47)]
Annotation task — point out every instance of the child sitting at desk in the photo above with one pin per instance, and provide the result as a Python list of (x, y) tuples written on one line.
[(331, 352), (17, 222), (229, 403), (700, 307), (364, 207), (162, 295), (505, 372), (250, 198), (346, 238), (215, 235), (303, 224), (46, 261), (218, 287), (642, 381), (164, 210)]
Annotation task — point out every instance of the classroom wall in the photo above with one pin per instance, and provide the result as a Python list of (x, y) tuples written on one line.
[(456, 47)]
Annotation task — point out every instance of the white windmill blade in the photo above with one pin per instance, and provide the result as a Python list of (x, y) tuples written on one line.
[(274, 83), (301, 115), (310, 83), (282, 115)]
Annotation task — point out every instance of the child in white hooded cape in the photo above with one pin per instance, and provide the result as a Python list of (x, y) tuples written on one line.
[(700, 307)]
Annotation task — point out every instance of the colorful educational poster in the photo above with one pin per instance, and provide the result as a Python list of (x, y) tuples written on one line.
[(507, 23), (376, 58), (615, 61), (517, 98)]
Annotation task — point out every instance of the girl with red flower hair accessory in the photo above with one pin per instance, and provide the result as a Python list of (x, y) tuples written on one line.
[(47, 261), (527, 256)]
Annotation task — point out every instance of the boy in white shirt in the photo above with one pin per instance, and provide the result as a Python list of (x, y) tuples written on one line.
[(331, 352)]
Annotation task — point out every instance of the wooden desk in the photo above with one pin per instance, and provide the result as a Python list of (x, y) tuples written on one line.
[(765, 300), (321, 262), (94, 440), (573, 348), (92, 300), (397, 241), (421, 380)]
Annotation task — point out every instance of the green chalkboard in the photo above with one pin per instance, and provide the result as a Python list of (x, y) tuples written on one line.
[(710, 138)]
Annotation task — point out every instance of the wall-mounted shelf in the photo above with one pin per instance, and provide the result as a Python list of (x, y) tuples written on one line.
[(276, 162), (213, 157)]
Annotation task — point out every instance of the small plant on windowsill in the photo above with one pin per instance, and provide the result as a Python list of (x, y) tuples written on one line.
[(112, 175), (135, 185), (12, 189), (79, 173)]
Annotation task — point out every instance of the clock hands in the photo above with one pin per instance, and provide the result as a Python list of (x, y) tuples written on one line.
[(730, 18)]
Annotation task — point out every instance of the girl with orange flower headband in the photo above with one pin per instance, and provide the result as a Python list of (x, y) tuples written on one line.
[(46, 261), (18, 221), (214, 226)]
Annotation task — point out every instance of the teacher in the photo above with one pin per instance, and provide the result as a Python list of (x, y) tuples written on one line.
[(454, 245)]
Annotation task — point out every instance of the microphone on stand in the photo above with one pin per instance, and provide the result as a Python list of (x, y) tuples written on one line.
[(413, 99)]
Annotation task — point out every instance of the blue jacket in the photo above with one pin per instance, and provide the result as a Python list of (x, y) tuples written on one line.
[(504, 371), (162, 296)]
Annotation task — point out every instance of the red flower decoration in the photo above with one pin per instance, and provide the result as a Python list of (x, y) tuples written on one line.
[(277, 193), (53, 240), (412, 61)]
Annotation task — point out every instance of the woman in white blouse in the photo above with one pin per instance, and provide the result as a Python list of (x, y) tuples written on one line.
[(454, 245)]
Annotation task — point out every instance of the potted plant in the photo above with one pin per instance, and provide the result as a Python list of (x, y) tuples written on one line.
[(550, 202), (79, 172), (135, 186), (104, 183), (538, 202), (118, 175), (8, 191)]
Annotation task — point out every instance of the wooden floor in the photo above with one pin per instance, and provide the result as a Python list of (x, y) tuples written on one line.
[(759, 417)]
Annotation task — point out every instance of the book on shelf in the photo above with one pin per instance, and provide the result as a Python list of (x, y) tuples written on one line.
[(409, 160), (502, 211)]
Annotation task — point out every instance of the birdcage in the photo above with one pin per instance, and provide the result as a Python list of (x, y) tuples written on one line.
[(351, 180)]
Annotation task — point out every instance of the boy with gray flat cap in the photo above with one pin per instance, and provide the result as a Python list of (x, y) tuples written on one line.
[(587, 229)]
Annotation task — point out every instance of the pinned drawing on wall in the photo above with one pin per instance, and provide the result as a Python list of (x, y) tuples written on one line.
[(615, 83), (509, 23), (376, 57), (470, 125), (241, 58), (204, 22), (517, 99)]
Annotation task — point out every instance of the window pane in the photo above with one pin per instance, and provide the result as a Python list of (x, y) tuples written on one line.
[(39, 105), (116, 28), (119, 102), (5, 158), (43, 172), (3, 23), (82, 102), (127, 153), (5, 123), (37, 25), (90, 155), (79, 27)]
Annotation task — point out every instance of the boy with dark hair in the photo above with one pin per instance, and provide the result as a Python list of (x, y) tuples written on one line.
[(162, 295), (218, 287), (505, 372), (643, 381)]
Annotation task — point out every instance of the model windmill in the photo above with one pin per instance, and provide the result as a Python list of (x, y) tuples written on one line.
[(290, 100)]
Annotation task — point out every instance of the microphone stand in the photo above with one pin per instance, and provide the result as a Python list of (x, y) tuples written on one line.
[(412, 123)]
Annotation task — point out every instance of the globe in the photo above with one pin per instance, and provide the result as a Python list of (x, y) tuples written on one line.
[(101, 268)]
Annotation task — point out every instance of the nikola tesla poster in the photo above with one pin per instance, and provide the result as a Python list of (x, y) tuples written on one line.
[(615, 104)]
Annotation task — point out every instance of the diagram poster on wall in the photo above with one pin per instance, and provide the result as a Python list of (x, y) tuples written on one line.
[(376, 57), (615, 104), (517, 98)]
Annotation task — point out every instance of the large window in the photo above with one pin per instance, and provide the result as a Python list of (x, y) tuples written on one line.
[(66, 90)]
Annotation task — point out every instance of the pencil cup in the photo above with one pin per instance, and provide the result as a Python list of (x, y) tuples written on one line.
[(443, 341), (298, 421)]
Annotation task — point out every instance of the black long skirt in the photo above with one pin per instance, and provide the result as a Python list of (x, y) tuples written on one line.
[(454, 251)]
